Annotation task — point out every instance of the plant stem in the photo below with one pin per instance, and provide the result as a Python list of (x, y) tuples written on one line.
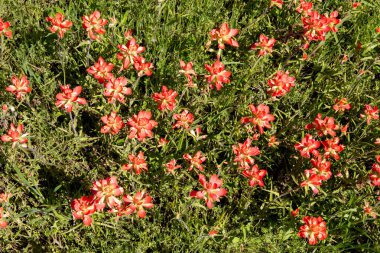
[(72, 118)]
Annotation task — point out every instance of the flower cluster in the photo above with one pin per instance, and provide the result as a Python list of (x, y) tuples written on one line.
[(106, 193), (316, 25)]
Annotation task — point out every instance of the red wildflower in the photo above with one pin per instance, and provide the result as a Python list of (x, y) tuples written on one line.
[(16, 136), (218, 76), (321, 167), (356, 5), (272, 142), (94, 25), (101, 70), (142, 67), (83, 208), (313, 230), (281, 84), (213, 233), (68, 97), (141, 125), (106, 191), (4, 108), (185, 119), (295, 212), (165, 99), (195, 161), (162, 142), (323, 126), (375, 175), (244, 153), (265, 45), (188, 71), (138, 202), (20, 87), (4, 28), (4, 197), (261, 117), (332, 148), (212, 191), (129, 52), (370, 113), (277, 3), (58, 25), (312, 181), (305, 8), (3, 223), (308, 146), (255, 175), (368, 210), (224, 35), (171, 166), (341, 105), (113, 123), (316, 25), (115, 89), (138, 163)]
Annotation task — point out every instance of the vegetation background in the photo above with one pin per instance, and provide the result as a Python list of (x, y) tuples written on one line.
[(62, 165)]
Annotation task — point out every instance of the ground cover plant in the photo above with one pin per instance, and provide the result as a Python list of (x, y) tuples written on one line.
[(189, 126)]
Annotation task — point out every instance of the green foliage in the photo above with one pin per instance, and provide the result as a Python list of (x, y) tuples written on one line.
[(65, 156)]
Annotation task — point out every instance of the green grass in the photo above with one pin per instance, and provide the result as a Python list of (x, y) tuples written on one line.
[(63, 165)]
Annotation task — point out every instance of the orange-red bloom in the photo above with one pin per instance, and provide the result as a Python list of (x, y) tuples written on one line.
[(255, 175), (261, 117), (195, 161), (20, 87), (323, 126), (142, 67), (212, 191), (16, 136), (59, 25), (312, 181), (141, 125), (224, 35), (115, 89), (188, 71), (83, 208), (138, 163), (244, 153), (277, 3), (265, 45), (370, 113), (3, 223), (308, 146), (321, 167), (218, 76), (165, 99), (332, 148), (4, 28), (69, 97), (185, 119), (94, 25), (139, 202), (172, 166), (341, 105), (129, 52), (113, 123), (105, 192), (4, 197), (313, 230), (101, 70), (374, 176), (280, 84)]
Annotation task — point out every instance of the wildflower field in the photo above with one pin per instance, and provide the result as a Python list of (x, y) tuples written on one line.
[(190, 126)]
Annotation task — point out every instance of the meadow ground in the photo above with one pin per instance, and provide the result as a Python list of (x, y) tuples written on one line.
[(246, 112)]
